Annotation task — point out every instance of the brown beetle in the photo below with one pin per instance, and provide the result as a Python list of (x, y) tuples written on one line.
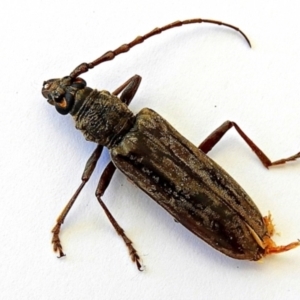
[(180, 177)]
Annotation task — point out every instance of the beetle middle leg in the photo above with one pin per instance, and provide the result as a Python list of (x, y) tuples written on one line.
[(216, 135), (103, 184)]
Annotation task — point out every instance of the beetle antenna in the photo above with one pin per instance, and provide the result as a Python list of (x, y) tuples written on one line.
[(110, 55)]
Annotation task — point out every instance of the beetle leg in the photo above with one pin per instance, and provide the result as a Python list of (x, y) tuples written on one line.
[(273, 249), (103, 184), (88, 170), (267, 243), (216, 135), (129, 89), (270, 246)]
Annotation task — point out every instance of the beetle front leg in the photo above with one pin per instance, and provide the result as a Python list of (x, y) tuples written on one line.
[(129, 89), (88, 170), (102, 186), (215, 137)]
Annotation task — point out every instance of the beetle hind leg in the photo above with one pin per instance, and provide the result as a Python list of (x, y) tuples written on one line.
[(128, 89), (270, 246), (216, 136)]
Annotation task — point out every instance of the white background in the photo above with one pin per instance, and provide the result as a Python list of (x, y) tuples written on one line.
[(196, 77)]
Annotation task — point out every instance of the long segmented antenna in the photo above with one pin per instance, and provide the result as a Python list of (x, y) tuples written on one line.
[(110, 55)]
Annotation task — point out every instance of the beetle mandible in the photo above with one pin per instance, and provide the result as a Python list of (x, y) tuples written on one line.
[(179, 176)]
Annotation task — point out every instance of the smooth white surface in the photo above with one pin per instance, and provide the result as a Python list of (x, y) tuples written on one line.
[(195, 76)]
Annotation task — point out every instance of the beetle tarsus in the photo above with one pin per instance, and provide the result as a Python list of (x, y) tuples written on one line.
[(284, 160), (138, 264), (269, 223), (280, 249), (132, 252), (57, 247)]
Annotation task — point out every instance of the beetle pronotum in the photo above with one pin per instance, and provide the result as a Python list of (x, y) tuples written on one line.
[(179, 176)]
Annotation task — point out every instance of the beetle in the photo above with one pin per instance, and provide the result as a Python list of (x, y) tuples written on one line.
[(179, 176)]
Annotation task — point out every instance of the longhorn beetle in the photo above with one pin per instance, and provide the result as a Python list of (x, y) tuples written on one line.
[(180, 177)]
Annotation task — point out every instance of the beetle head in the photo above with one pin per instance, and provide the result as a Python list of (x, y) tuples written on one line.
[(61, 92)]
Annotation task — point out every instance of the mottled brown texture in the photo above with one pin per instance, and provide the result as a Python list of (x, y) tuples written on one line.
[(103, 118), (196, 191)]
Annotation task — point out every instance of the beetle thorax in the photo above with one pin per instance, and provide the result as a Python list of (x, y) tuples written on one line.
[(103, 118)]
